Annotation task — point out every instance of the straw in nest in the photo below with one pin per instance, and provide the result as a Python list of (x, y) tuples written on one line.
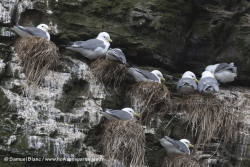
[(38, 55), (107, 71), (150, 96), (124, 141), (211, 116), (180, 161)]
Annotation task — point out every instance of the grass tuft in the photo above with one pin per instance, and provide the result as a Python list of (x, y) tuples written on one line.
[(124, 141)]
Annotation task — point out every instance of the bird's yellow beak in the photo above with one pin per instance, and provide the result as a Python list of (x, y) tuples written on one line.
[(48, 28), (196, 80), (163, 79), (192, 146), (110, 40), (136, 115)]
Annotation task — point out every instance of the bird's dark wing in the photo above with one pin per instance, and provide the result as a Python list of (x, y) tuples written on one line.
[(148, 74), (34, 31), (184, 81), (90, 44), (120, 55), (207, 82), (120, 114), (181, 146)]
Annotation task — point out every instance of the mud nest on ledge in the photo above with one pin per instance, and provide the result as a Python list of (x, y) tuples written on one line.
[(107, 71), (124, 142), (147, 97), (209, 117), (37, 55), (180, 161)]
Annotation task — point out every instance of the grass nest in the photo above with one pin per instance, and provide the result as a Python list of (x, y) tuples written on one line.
[(211, 116), (180, 161), (107, 71), (124, 141), (149, 96), (37, 55)]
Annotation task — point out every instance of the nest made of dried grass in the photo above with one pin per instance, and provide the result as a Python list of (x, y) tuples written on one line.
[(149, 96), (124, 141), (108, 71), (211, 116), (37, 55), (180, 161)]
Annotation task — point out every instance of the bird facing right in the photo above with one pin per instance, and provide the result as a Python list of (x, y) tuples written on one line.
[(208, 85), (123, 114), (187, 84), (92, 48), (146, 76), (26, 32), (174, 147)]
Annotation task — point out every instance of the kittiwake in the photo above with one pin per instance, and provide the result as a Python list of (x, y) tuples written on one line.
[(187, 84), (124, 114), (146, 76), (116, 54), (25, 32), (223, 72), (174, 147), (208, 85), (92, 48)]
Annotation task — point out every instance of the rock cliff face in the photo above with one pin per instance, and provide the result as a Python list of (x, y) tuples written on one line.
[(61, 118)]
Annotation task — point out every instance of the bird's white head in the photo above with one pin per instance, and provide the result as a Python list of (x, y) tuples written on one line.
[(44, 27), (158, 74), (131, 111), (104, 36), (186, 142), (207, 74), (189, 74)]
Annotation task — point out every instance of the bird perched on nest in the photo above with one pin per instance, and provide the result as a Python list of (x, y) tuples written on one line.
[(187, 84), (25, 32), (176, 147), (146, 76), (123, 114), (116, 54), (208, 85), (223, 72), (92, 48)]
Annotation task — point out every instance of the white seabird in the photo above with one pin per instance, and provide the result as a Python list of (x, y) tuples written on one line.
[(92, 48), (187, 84), (123, 114), (176, 147), (223, 72), (116, 54), (208, 85), (26, 32), (146, 76)]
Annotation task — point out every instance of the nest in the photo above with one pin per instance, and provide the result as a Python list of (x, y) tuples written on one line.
[(107, 71), (124, 141), (211, 116), (37, 55), (150, 96), (180, 161)]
